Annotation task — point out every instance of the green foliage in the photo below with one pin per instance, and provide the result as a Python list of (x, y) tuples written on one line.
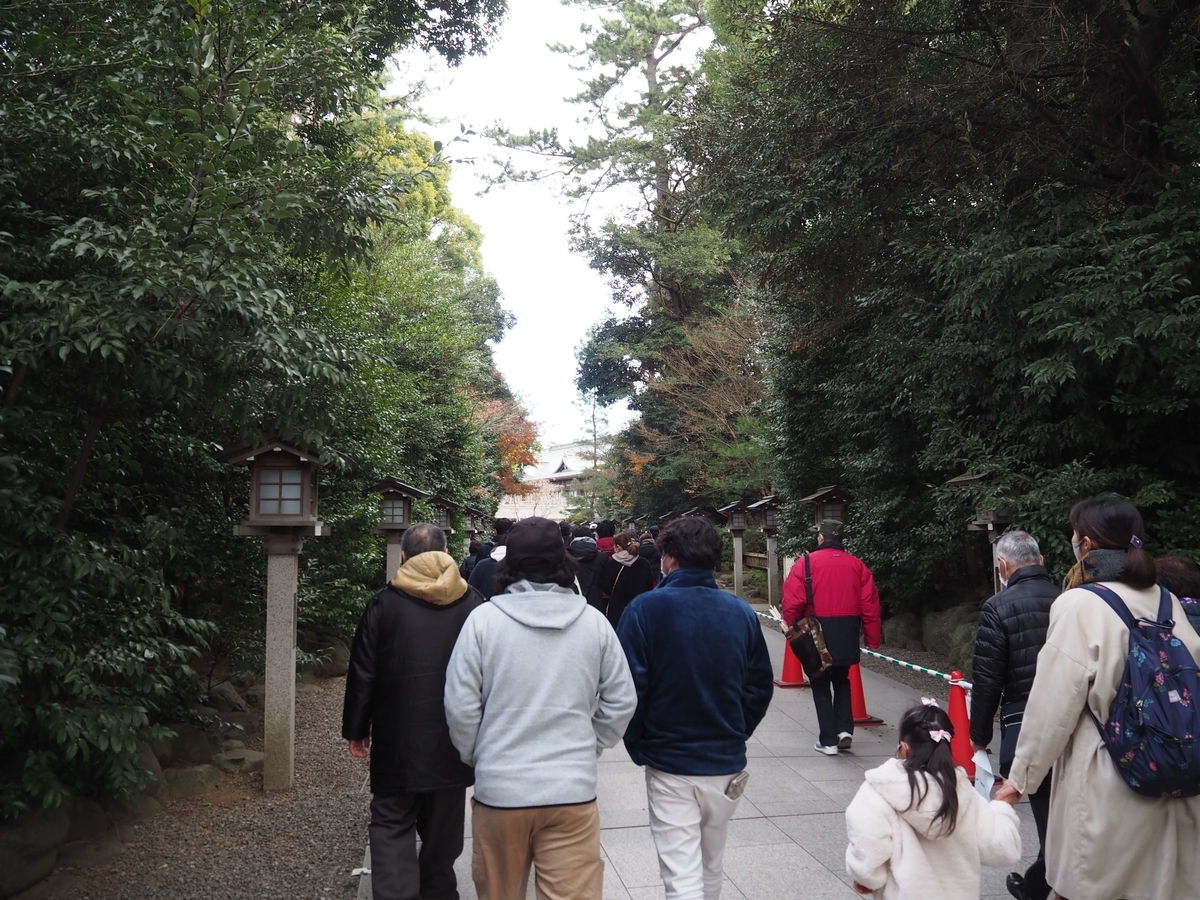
[(193, 201), (973, 230)]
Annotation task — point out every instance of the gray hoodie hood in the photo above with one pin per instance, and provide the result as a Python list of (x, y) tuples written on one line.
[(537, 605), (891, 781)]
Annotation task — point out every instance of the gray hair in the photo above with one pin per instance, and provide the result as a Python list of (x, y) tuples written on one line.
[(422, 538), (1019, 548)]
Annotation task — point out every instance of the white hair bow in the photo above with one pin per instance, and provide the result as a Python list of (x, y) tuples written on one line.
[(929, 701), (938, 735)]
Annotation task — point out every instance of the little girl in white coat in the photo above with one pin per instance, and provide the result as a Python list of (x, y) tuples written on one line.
[(918, 829)]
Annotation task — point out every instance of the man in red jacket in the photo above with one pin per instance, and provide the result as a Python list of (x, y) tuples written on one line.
[(844, 599)]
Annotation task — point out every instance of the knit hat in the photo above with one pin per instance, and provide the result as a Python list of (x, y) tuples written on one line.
[(537, 539)]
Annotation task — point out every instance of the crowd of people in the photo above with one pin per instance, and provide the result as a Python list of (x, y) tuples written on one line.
[(515, 671)]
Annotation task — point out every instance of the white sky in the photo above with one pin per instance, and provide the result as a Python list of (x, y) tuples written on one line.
[(553, 293)]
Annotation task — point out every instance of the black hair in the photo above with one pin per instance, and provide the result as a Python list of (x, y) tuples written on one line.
[(929, 758), (537, 570), (473, 547), (422, 538), (581, 531), (605, 529), (564, 528), (1112, 523), (501, 526), (692, 542), (1179, 575)]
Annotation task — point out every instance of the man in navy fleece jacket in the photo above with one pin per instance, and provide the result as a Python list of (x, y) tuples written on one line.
[(704, 681)]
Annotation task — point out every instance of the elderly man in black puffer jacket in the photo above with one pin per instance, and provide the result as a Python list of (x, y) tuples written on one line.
[(1012, 630)]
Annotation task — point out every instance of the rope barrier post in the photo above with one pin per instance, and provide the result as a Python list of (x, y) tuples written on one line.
[(960, 718), (858, 701), (793, 672)]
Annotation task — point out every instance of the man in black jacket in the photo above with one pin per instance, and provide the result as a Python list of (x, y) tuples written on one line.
[(394, 710), (589, 563), (1012, 630)]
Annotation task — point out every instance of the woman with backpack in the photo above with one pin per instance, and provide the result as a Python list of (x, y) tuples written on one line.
[(1107, 838)]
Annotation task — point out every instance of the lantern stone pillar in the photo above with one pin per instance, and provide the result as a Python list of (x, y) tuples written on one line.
[(773, 586), (279, 720), (393, 553), (737, 563)]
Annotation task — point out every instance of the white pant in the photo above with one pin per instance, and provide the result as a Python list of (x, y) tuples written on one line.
[(689, 815)]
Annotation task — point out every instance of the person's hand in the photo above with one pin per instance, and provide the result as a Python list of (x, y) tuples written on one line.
[(976, 747), (359, 749), (862, 890), (1008, 794), (783, 626)]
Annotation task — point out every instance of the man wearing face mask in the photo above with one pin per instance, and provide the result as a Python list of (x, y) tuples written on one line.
[(1012, 630)]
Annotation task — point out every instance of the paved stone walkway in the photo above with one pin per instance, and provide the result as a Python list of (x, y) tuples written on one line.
[(788, 838)]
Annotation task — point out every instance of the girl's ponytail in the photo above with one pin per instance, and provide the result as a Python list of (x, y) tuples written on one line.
[(927, 731)]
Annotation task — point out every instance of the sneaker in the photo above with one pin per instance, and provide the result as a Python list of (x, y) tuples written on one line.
[(844, 740), (821, 748)]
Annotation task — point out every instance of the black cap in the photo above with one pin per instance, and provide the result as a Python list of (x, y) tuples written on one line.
[(534, 538)]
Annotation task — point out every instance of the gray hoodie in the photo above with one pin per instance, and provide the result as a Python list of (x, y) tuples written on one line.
[(537, 687)]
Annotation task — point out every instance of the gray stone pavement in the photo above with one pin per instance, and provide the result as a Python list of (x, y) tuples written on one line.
[(788, 838)]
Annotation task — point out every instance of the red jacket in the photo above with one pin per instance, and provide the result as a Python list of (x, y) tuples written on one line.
[(842, 586)]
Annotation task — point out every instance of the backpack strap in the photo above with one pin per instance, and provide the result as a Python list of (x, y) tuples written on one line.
[(1115, 603), (812, 613), (1164, 607)]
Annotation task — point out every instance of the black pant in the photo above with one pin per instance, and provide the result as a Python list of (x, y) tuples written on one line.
[(831, 696), (397, 872), (1036, 887)]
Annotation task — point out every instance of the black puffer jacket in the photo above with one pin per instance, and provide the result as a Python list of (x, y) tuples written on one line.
[(590, 566), (394, 691), (1012, 630)]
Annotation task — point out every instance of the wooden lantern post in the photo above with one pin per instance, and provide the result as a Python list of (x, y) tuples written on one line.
[(395, 516), (828, 503), (283, 510), (443, 514), (770, 510), (473, 521), (736, 514), (993, 521)]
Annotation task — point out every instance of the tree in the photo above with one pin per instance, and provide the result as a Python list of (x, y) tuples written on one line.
[(974, 228), (182, 188)]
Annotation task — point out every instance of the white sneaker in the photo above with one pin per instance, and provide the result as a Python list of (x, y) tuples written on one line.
[(845, 738), (828, 751)]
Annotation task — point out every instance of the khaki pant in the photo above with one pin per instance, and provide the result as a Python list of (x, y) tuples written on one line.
[(562, 843)]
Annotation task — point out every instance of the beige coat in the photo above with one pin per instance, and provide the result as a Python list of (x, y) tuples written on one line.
[(1104, 842)]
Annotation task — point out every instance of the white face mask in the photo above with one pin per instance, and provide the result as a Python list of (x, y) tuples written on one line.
[(1003, 583), (661, 569)]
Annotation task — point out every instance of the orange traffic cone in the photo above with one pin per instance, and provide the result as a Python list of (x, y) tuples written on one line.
[(858, 702), (793, 672), (960, 718)]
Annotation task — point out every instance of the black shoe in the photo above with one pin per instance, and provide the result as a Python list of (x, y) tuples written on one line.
[(1016, 885)]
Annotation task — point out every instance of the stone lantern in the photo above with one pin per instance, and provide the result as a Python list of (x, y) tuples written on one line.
[(738, 518), (283, 510), (768, 515), (395, 516)]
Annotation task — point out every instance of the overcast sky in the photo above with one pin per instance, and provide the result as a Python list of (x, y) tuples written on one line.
[(551, 291)]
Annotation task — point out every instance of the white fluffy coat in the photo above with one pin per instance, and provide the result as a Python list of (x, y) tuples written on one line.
[(902, 854)]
